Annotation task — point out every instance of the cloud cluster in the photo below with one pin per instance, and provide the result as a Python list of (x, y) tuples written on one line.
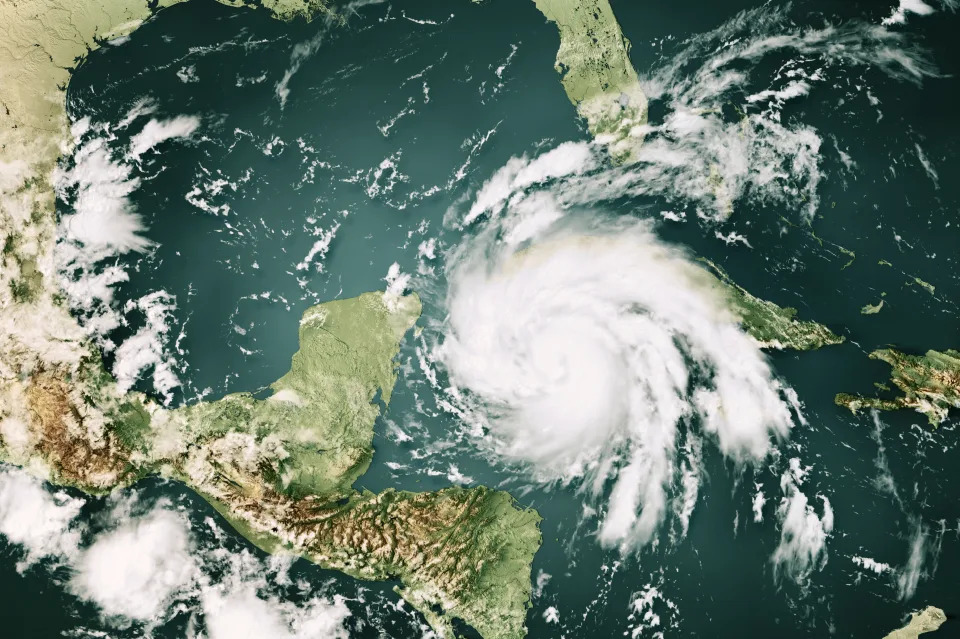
[(157, 131), (803, 532), (908, 576), (101, 226), (584, 350), (149, 348), (147, 564), (899, 15), (301, 52), (723, 139), (520, 173), (397, 282), (242, 613), (923, 544), (38, 521), (135, 570)]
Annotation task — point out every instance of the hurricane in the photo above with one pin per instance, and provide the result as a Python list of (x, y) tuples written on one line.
[(586, 351)]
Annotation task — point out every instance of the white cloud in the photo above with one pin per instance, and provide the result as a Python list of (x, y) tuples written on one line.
[(928, 167), (40, 522), (383, 178), (241, 602), (569, 158), (143, 107), (759, 501), (188, 74), (699, 153), (105, 225), (871, 564), (646, 608), (573, 355), (908, 575), (301, 52), (157, 131), (691, 474), (242, 614), (137, 569), (899, 15), (104, 222), (884, 480), (397, 282), (803, 533), (427, 249), (148, 566), (319, 249), (530, 217), (351, 7), (149, 348)]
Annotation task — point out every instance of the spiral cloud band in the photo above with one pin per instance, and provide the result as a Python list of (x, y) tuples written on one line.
[(592, 353)]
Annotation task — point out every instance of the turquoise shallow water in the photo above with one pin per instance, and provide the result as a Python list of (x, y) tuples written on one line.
[(239, 292)]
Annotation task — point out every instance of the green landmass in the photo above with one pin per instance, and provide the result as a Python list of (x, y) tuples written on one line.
[(597, 75), (281, 470), (278, 469), (871, 309), (320, 416), (285, 10), (848, 253), (930, 384), (771, 325), (912, 279), (926, 620), (930, 288)]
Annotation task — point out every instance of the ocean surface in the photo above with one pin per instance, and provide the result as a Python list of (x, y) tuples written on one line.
[(377, 142)]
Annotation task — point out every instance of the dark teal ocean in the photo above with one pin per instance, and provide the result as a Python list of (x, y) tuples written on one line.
[(487, 91)]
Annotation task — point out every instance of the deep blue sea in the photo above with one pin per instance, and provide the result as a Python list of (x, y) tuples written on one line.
[(389, 127)]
